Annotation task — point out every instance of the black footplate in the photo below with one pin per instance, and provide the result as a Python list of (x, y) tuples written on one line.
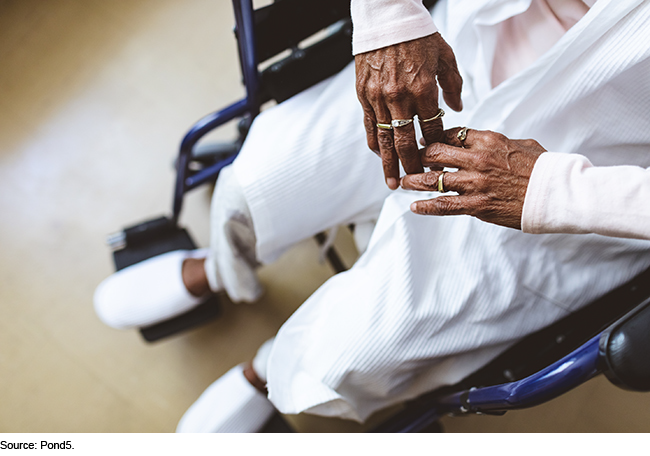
[(151, 238)]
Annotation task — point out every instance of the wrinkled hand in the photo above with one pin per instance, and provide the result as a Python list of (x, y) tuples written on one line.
[(398, 82), (491, 181)]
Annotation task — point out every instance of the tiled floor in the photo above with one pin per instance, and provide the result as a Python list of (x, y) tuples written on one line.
[(94, 98)]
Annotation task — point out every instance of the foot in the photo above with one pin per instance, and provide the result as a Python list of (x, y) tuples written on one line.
[(153, 290), (194, 278), (231, 404)]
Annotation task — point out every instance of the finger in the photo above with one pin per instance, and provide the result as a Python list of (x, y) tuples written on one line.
[(404, 137), (443, 205), (459, 181), (426, 104), (432, 130), (472, 137), (370, 124), (433, 167), (365, 94), (389, 159), (407, 148), (440, 154), (449, 77)]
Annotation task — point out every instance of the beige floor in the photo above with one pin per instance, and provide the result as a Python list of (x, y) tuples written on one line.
[(94, 99)]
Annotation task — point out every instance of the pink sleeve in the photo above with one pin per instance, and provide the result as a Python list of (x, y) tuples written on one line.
[(567, 194), (380, 23)]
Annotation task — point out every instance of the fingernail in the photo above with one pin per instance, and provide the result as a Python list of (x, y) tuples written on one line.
[(414, 207), (392, 183)]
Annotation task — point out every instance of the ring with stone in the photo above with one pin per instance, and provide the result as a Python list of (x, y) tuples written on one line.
[(462, 135), (396, 123)]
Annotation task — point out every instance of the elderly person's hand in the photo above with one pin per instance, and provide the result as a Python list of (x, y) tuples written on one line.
[(491, 181), (396, 83)]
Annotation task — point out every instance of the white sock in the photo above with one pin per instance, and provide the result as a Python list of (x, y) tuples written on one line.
[(231, 404), (262, 358)]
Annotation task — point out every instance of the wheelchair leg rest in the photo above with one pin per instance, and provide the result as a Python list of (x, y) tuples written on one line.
[(200, 315), (155, 237)]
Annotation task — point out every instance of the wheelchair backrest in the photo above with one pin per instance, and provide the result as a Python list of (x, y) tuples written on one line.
[(284, 26)]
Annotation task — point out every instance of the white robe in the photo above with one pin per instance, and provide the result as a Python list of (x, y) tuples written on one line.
[(433, 299)]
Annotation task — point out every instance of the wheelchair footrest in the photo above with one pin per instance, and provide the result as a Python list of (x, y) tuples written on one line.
[(152, 238)]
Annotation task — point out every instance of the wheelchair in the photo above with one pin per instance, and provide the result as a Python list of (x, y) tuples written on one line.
[(290, 45)]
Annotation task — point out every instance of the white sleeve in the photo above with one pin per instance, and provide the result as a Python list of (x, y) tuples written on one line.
[(567, 194), (381, 23)]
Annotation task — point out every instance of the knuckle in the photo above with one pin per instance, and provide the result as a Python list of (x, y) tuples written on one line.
[(430, 180), (450, 136), (497, 138), (372, 91), (424, 89), (531, 143), (483, 163), (481, 206), (394, 92), (444, 205), (433, 153), (481, 183), (384, 140)]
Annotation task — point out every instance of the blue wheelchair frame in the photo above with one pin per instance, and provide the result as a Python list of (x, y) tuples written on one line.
[(247, 107), (582, 364)]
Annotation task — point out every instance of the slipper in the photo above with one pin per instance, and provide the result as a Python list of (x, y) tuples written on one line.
[(147, 292), (231, 404)]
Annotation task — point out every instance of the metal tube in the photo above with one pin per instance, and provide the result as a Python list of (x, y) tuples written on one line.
[(198, 130), (245, 26), (558, 378)]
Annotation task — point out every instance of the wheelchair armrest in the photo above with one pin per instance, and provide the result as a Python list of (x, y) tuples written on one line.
[(624, 349)]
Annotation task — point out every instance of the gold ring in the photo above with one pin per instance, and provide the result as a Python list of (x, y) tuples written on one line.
[(384, 126), (441, 113), (400, 122), (441, 186), (462, 135)]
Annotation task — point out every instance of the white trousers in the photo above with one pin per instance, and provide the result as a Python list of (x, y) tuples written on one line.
[(430, 301)]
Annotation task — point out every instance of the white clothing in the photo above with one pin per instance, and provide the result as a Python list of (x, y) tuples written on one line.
[(568, 194), (231, 266), (230, 405), (148, 292), (432, 299), (380, 23), (614, 209), (527, 36)]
